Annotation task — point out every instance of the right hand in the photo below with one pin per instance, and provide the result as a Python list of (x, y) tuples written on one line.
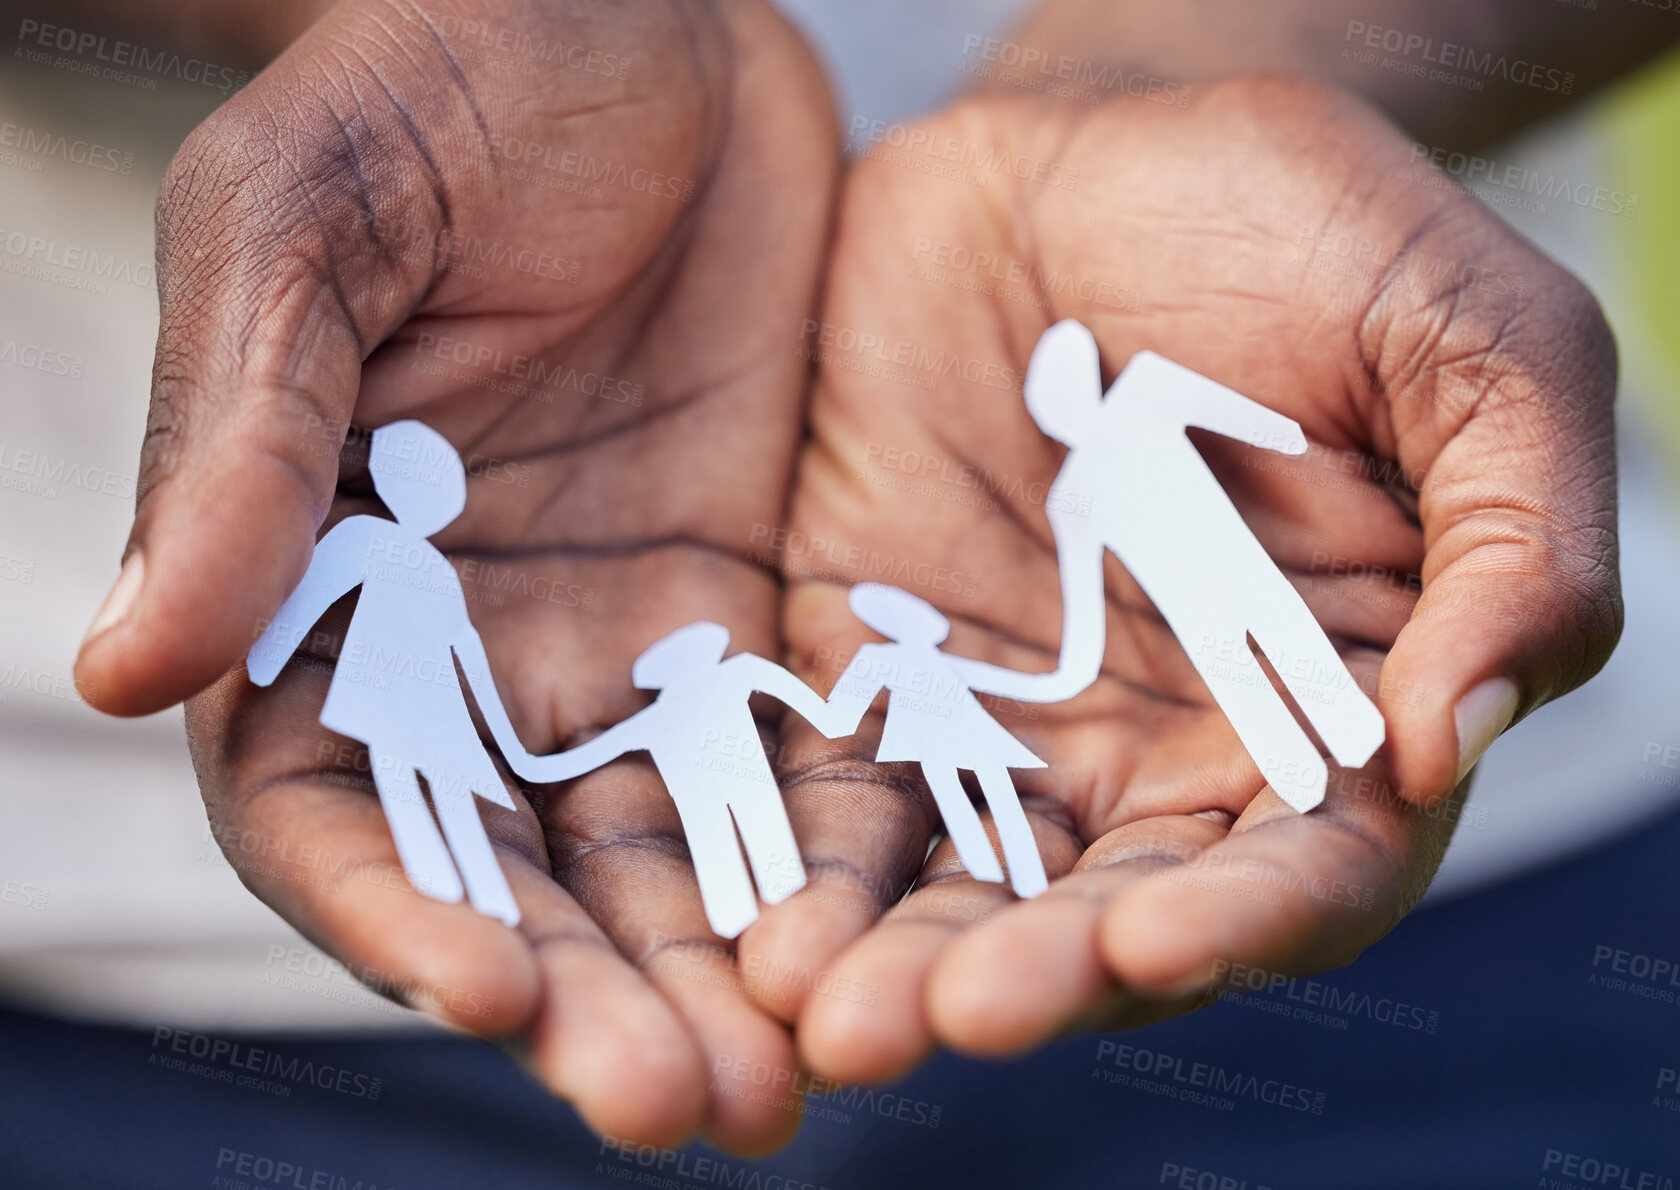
[(1454, 533), (408, 214)]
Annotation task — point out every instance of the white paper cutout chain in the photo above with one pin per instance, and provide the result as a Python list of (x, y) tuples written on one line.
[(1149, 498)]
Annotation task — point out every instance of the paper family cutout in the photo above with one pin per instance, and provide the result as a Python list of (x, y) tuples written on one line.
[(1146, 494)]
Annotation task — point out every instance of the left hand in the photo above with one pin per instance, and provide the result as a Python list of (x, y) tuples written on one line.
[(1453, 531), (577, 240)]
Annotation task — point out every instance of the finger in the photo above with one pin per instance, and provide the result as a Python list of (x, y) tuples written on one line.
[(1049, 947), (885, 1031), (875, 1026), (294, 809), (272, 289), (619, 848), (1504, 406), (1285, 892), (863, 828), (604, 1039), (301, 824)]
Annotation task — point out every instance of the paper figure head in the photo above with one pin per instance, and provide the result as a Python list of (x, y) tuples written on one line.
[(692, 649), (419, 475), (898, 615), (1064, 382)]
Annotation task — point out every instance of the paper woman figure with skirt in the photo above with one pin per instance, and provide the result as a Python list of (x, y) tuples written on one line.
[(395, 687)]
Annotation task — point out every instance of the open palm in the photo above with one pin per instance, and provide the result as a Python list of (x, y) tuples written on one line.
[(1452, 529), (577, 241)]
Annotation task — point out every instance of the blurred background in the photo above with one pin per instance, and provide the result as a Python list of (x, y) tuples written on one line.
[(119, 917)]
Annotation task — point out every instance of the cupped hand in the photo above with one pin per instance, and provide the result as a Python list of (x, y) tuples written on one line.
[(578, 240), (1452, 528)]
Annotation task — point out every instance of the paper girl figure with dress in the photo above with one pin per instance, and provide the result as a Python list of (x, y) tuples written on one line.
[(1150, 499)]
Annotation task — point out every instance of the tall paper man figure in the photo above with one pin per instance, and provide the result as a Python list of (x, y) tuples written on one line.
[(1162, 511), (701, 735), (934, 719), (395, 686)]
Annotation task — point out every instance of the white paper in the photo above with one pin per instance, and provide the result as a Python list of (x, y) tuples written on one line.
[(934, 719), (703, 740), (395, 686), (1158, 506), (1132, 483)]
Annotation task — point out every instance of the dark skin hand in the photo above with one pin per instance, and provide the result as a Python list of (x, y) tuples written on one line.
[(333, 237), (1452, 529), (586, 267), (224, 35)]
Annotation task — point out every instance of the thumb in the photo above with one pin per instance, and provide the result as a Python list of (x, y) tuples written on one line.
[(1521, 599), (269, 303)]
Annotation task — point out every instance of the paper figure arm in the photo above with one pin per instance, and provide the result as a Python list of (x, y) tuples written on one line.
[(1079, 559), (339, 563), (769, 678), (1188, 398), (475, 664), (849, 701), (626, 736)]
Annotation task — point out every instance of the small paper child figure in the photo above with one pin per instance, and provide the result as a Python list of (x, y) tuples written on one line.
[(1162, 511), (395, 687), (934, 719), (701, 735)]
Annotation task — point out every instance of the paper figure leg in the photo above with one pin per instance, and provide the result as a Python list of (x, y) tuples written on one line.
[(1020, 849), (424, 857), (962, 823), (763, 822), (725, 889), (1287, 758), (1348, 721), (487, 888)]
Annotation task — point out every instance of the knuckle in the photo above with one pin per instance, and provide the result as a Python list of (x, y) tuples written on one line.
[(1560, 356), (1586, 331), (218, 203), (1588, 574), (314, 165)]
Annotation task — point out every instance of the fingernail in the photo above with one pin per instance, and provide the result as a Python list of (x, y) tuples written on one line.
[(120, 601), (1481, 715)]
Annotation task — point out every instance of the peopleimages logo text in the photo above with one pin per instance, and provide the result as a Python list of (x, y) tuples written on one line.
[(1204, 1076), (235, 1055), (1579, 1170), (94, 47), (257, 1169), (1451, 56), (45, 144), (36, 254)]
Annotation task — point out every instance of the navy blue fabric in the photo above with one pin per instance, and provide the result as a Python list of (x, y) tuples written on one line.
[(1537, 1069)]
